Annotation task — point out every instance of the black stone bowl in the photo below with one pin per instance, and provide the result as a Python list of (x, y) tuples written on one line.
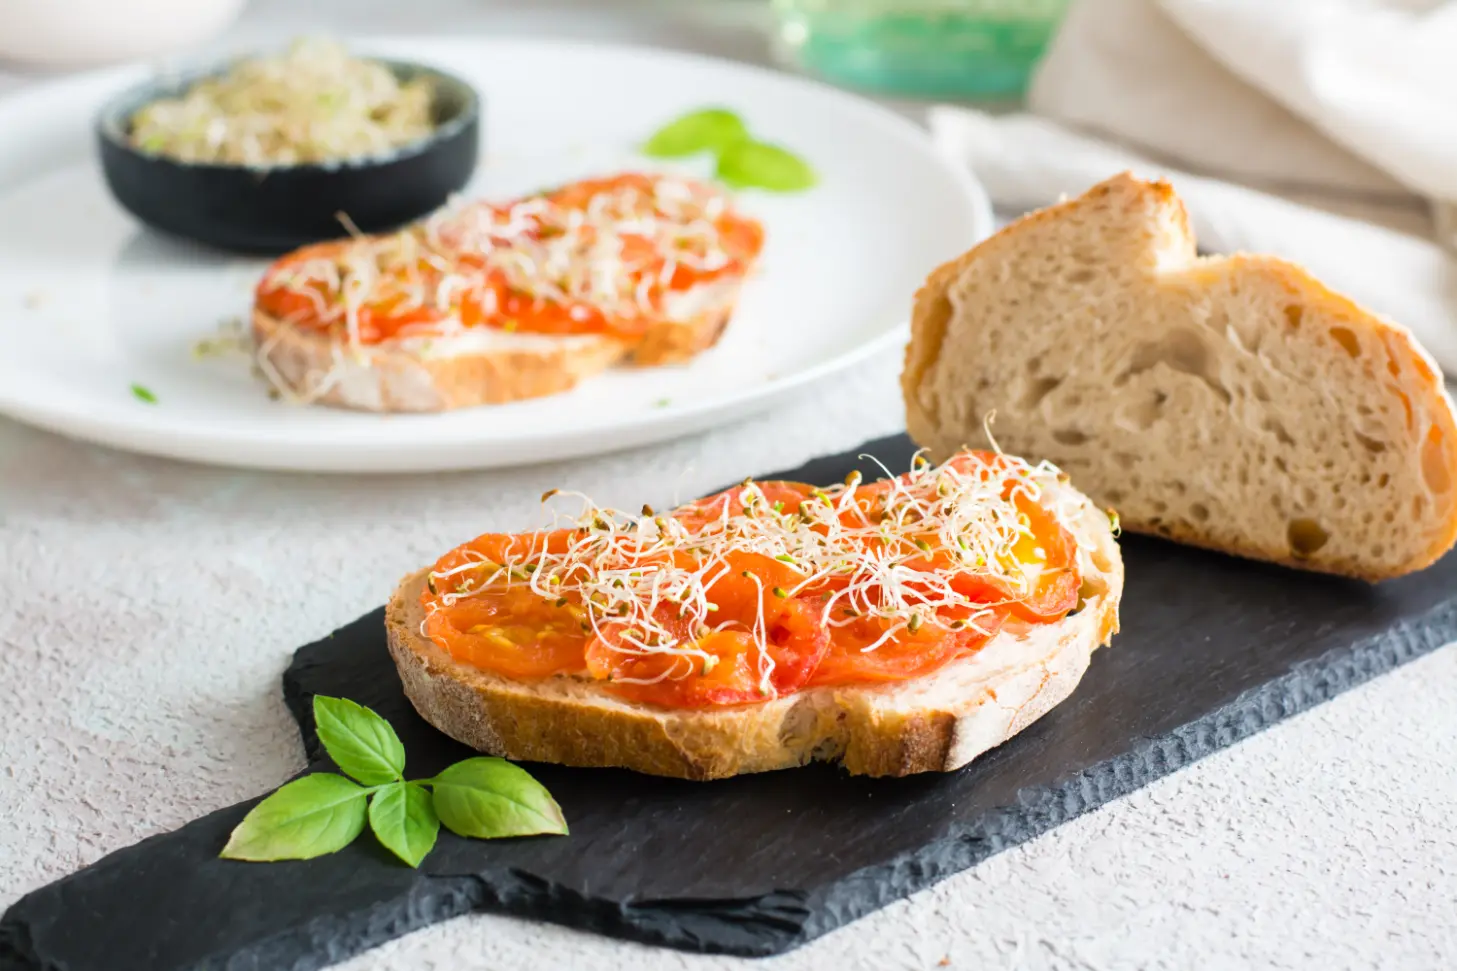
[(278, 208)]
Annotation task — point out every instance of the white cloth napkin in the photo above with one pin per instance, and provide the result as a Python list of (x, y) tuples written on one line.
[(1185, 81)]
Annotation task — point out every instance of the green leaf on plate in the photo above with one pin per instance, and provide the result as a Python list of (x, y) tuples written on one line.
[(707, 130), (144, 394), (759, 165), (490, 797), (361, 743), (308, 817), (404, 821)]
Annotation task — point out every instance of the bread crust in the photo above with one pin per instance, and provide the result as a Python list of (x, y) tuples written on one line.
[(1419, 376), (392, 377), (933, 724)]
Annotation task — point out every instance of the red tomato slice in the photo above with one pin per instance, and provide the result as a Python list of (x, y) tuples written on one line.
[(795, 635), (511, 631), (905, 655), (787, 496), (388, 312), (485, 554), (797, 642), (1057, 586)]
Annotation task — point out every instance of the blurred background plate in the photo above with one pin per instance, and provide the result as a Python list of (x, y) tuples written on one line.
[(92, 304)]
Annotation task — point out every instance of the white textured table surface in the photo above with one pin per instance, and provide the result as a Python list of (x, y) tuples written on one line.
[(149, 609)]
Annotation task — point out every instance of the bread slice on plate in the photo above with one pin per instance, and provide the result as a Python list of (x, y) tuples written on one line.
[(486, 303), (1232, 402), (934, 723)]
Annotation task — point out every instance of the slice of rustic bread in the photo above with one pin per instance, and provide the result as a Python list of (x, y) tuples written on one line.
[(934, 723), (1229, 402)]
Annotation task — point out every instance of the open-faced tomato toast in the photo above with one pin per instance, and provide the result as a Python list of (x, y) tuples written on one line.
[(898, 626), (486, 302)]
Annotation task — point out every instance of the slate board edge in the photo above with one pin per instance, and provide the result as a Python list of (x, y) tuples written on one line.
[(789, 919)]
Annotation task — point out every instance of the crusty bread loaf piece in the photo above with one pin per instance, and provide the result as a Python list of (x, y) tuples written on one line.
[(931, 724), (484, 367), (1229, 402)]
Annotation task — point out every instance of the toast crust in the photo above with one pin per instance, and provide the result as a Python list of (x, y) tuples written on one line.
[(931, 376), (933, 724)]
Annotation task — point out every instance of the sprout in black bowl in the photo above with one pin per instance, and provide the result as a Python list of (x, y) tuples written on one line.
[(275, 208)]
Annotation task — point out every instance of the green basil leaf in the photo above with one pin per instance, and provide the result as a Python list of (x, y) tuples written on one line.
[(404, 820), (361, 743), (708, 130), (309, 817), (489, 797), (759, 165)]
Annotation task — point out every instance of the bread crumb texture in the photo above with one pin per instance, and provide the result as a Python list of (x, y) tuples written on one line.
[(1232, 402)]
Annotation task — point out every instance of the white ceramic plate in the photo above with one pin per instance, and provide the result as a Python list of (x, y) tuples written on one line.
[(92, 303)]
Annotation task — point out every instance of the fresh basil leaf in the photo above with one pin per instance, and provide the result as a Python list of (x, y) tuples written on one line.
[(361, 743), (489, 797), (404, 820), (708, 130), (309, 817), (750, 164)]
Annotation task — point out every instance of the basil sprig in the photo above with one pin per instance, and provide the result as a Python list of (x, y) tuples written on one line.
[(324, 812), (742, 162), (705, 130)]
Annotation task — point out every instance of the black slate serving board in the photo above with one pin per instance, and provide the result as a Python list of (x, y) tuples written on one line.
[(1213, 649)]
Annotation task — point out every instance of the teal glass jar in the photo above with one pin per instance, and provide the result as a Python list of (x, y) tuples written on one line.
[(969, 49)]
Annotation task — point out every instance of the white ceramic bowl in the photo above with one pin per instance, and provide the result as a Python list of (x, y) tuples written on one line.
[(75, 33)]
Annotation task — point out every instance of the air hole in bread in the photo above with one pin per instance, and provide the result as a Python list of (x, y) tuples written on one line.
[(1279, 463), (1306, 537), (1115, 496), (1276, 428), (1436, 472), (1393, 367), (1418, 504), (1038, 389), (1034, 363), (1377, 550), (1307, 494), (1293, 314), (1345, 337), (1069, 436), (1406, 405), (1080, 276), (1388, 517), (1260, 392), (1159, 506), (1178, 488), (1181, 350), (1200, 512), (1381, 483), (1370, 444), (1124, 460)]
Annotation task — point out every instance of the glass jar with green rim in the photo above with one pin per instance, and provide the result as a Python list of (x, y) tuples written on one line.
[(970, 49)]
